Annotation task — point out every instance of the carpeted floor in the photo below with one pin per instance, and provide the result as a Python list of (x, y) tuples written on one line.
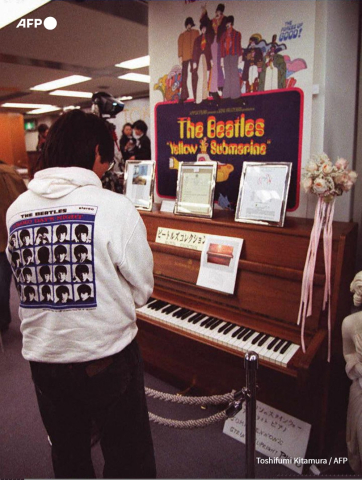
[(25, 452)]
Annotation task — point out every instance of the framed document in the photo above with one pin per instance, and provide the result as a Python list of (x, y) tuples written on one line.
[(139, 180), (263, 193), (196, 189)]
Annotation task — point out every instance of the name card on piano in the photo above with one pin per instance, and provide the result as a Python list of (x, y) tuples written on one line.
[(181, 238), (279, 436)]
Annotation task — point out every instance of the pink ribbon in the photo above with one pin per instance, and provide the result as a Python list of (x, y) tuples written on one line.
[(323, 220)]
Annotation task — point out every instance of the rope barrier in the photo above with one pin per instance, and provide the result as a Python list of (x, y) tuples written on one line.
[(167, 397), (199, 423)]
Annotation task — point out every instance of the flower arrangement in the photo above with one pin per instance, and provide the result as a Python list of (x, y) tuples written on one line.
[(327, 180)]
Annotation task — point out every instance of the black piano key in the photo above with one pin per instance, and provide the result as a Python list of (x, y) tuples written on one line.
[(205, 321), (198, 319), (228, 328), (179, 312), (211, 322), (243, 333), (169, 309), (158, 305), (278, 345), (186, 314), (263, 340), (193, 317), (216, 324), (222, 328), (285, 348), (257, 338), (237, 332), (151, 300), (248, 335), (271, 344)]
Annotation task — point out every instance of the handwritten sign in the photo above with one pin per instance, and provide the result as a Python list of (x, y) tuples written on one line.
[(278, 435), (181, 238)]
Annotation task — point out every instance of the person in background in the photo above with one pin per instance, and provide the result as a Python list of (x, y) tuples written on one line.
[(42, 136), (84, 358), (127, 142), (143, 144), (11, 186)]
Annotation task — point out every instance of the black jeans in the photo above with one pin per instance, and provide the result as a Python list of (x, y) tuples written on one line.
[(108, 391)]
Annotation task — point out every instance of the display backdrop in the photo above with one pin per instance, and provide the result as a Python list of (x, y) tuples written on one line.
[(265, 127), (272, 73)]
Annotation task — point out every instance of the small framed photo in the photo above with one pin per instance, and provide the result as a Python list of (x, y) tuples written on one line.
[(263, 193), (139, 178), (196, 189)]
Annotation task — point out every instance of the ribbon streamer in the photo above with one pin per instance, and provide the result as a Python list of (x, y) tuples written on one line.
[(323, 220)]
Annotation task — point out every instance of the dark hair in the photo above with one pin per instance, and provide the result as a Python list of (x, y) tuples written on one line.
[(126, 125), (230, 19), (28, 290), (60, 290), (84, 288), (45, 289), (189, 21), (42, 230), (79, 229), (23, 234), (27, 253), (44, 270), (72, 140), (61, 229), (27, 271), (60, 269), (43, 127), (140, 125), (220, 8), (80, 249), (81, 268), (59, 249), (43, 254)]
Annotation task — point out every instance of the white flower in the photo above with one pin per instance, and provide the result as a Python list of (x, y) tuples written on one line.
[(320, 186), (341, 163), (323, 157), (307, 184), (327, 168), (352, 175), (341, 179), (311, 166)]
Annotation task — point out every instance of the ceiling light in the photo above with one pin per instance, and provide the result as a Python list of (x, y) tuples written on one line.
[(62, 82), (11, 11), (136, 77), (71, 107), (69, 93), (25, 105), (126, 97), (46, 109), (135, 63)]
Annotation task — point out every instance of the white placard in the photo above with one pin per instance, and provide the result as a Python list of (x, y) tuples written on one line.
[(279, 436), (167, 206), (219, 263)]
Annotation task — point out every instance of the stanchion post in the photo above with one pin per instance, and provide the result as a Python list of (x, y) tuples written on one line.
[(251, 366)]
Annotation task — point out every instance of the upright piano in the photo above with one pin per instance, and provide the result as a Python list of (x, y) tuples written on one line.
[(197, 337)]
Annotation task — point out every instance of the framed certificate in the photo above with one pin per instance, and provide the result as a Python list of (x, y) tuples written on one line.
[(139, 180), (263, 193), (196, 189)]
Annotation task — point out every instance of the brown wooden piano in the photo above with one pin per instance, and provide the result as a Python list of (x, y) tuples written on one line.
[(193, 336)]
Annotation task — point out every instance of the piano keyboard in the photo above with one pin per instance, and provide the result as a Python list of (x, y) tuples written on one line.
[(240, 339)]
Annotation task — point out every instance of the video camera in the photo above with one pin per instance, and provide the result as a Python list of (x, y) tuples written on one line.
[(105, 104)]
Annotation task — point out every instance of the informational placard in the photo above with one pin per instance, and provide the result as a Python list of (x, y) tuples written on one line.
[(278, 435), (260, 127), (219, 263), (181, 238)]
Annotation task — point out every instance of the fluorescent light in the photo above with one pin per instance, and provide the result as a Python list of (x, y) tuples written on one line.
[(126, 97), (25, 105), (71, 107), (61, 82), (11, 11), (136, 77), (135, 63), (69, 93), (46, 109)]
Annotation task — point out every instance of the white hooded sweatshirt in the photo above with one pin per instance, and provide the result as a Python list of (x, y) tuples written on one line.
[(82, 265)]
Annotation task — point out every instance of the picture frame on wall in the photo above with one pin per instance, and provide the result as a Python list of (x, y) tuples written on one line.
[(139, 178), (196, 189), (263, 193)]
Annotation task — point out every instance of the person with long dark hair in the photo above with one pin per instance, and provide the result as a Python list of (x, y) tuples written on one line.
[(127, 142)]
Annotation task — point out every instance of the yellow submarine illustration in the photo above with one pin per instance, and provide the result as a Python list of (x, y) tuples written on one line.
[(223, 169)]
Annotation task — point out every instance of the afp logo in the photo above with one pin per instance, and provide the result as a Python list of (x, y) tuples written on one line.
[(49, 23)]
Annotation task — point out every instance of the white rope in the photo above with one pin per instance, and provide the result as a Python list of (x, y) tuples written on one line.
[(199, 423), (167, 397)]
